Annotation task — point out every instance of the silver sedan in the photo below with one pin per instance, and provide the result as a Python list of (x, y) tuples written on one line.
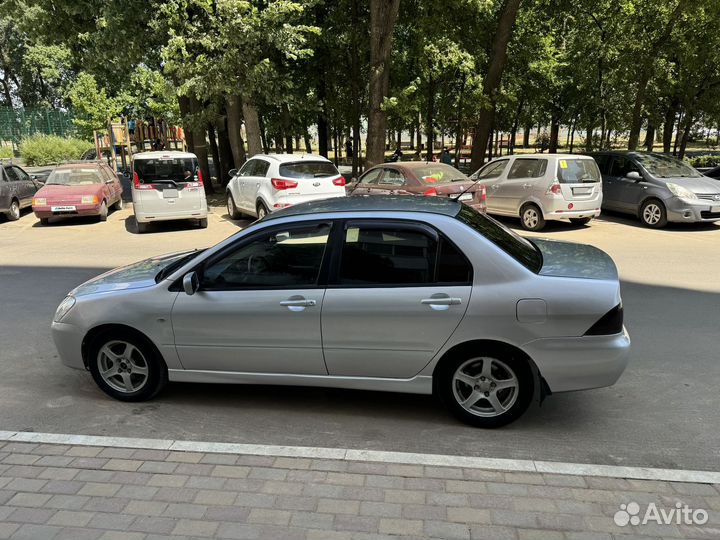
[(400, 294)]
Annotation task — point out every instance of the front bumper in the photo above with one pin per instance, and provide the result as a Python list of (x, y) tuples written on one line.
[(580, 363), (691, 211), (68, 340), (79, 210)]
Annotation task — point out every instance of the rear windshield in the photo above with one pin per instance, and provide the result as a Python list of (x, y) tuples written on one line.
[(439, 174), (577, 171), (170, 169), (74, 177), (666, 167), (308, 169), (521, 249)]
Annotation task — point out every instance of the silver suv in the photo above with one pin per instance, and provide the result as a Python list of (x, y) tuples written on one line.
[(538, 188)]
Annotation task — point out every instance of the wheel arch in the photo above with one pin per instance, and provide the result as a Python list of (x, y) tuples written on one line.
[(649, 197), (103, 328)]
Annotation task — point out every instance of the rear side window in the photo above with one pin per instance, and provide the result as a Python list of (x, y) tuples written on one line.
[(393, 177), (308, 170), (172, 169), (528, 168), (577, 171)]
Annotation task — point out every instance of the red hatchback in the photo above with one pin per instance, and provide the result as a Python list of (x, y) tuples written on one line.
[(86, 189)]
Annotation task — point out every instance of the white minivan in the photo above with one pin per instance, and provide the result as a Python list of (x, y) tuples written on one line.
[(537, 188), (167, 186), (269, 182)]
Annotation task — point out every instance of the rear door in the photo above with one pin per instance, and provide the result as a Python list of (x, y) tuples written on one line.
[(579, 179), (252, 183), (525, 177), (244, 174), (624, 194), (397, 292)]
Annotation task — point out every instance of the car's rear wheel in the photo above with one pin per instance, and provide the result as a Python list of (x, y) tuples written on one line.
[(262, 210), (531, 217), (13, 213), (488, 390), (119, 204), (203, 223), (232, 208), (653, 214), (126, 366), (103, 212), (580, 221)]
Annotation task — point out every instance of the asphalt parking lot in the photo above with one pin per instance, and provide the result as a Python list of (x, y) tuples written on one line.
[(662, 412)]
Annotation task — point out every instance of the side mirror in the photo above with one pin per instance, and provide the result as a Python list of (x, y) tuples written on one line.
[(33, 176), (634, 175), (232, 173), (191, 283)]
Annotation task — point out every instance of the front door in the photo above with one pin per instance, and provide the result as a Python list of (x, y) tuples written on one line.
[(258, 306), (619, 192), (397, 293), (26, 187), (368, 182), (246, 179), (491, 176), (524, 175)]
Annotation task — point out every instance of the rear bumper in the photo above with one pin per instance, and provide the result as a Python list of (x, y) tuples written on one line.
[(686, 211), (147, 217), (68, 342), (580, 363), (42, 212), (557, 208)]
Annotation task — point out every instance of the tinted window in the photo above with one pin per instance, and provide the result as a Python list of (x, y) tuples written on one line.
[(439, 173), (387, 256), (513, 244), (492, 170), (527, 168), (308, 169), (247, 169), (261, 168), (603, 163), (170, 169), (393, 177), (11, 175), (576, 171), (621, 166), (453, 266), (288, 258), (75, 176), (371, 177), (22, 175)]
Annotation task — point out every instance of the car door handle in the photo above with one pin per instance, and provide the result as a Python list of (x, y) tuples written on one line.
[(441, 303), (298, 304), (494, 186), (527, 185)]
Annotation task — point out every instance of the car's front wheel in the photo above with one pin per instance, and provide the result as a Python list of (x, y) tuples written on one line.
[(232, 208), (126, 366), (262, 210), (13, 213), (531, 217), (103, 215), (653, 214), (486, 391)]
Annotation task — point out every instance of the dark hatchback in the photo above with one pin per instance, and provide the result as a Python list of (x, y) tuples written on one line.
[(16, 190)]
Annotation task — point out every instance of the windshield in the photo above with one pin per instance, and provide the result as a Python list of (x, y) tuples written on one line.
[(666, 167), (170, 268), (439, 173), (74, 177), (165, 169), (521, 249), (577, 171), (308, 170)]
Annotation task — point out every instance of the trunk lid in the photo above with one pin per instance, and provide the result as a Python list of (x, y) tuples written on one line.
[(567, 259)]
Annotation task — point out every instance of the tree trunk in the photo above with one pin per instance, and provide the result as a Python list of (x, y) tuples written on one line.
[(227, 160), (200, 147), (383, 15), (252, 127), (554, 134), (214, 153), (308, 143), (234, 125), (572, 134), (526, 136), (184, 105), (685, 135), (429, 120), (650, 136), (492, 80), (669, 126), (263, 136), (588, 139), (418, 134)]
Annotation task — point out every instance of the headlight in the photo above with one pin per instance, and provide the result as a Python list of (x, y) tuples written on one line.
[(39, 201), (65, 306), (89, 199), (681, 192)]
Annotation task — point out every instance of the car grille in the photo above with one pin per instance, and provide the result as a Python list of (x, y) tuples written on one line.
[(706, 214), (708, 197)]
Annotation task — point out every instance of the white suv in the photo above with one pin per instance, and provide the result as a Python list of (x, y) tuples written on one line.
[(270, 182)]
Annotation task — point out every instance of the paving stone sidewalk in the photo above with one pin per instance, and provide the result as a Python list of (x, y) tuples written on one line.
[(51, 491)]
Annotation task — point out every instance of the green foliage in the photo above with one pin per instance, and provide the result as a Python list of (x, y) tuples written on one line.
[(93, 108), (50, 149), (704, 161), (6, 152)]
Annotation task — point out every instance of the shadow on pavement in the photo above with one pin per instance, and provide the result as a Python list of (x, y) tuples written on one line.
[(161, 226)]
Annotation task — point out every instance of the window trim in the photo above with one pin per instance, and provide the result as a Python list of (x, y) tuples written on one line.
[(338, 242)]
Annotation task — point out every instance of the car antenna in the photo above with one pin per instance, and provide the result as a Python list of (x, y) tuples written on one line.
[(466, 190)]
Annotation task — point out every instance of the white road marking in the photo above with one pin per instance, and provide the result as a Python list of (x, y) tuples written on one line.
[(400, 458)]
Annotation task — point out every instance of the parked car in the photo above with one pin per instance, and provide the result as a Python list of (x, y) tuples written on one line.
[(266, 183), (419, 178), (713, 173), (417, 294), (16, 190), (168, 185), (657, 188), (78, 189), (538, 188)]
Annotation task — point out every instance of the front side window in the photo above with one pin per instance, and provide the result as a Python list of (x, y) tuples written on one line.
[(249, 168), (282, 259), (527, 168), (261, 168), (492, 170), (22, 175), (371, 177), (11, 175), (622, 166), (393, 177), (74, 177)]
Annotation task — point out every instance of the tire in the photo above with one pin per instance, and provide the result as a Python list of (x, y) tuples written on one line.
[(13, 213), (232, 208), (130, 353), (504, 366), (203, 223), (103, 212), (44, 221), (653, 214), (119, 204), (580, 221), (531, 217), (262, 210), (142, 228)]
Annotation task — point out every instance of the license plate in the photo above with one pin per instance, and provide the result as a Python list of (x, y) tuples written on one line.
[(582, 191), (170, 193), (62, 208), (465, 197)]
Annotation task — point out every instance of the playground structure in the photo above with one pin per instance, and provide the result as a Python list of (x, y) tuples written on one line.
[(127, 137)]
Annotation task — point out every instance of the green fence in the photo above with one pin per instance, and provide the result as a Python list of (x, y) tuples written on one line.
[(16, 124)]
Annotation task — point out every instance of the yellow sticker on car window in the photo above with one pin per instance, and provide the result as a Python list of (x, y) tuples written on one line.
[(563, 164)]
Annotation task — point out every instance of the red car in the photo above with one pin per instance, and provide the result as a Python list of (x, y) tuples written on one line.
[(87, 189), (419, 178)]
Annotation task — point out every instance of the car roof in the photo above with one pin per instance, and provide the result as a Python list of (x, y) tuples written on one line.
[(627, 153), (372, 203), (164, 153), (287, 158)]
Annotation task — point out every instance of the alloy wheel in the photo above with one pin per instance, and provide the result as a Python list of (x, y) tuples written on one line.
[(485, 386), (530, 218), (14, 211), (652, 214), (122, 366)]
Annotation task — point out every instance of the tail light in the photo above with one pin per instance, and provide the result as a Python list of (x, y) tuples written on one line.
[(340, 181), (430, 192), (280, 184), (137, 185), (555, 188), (200, 179)]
